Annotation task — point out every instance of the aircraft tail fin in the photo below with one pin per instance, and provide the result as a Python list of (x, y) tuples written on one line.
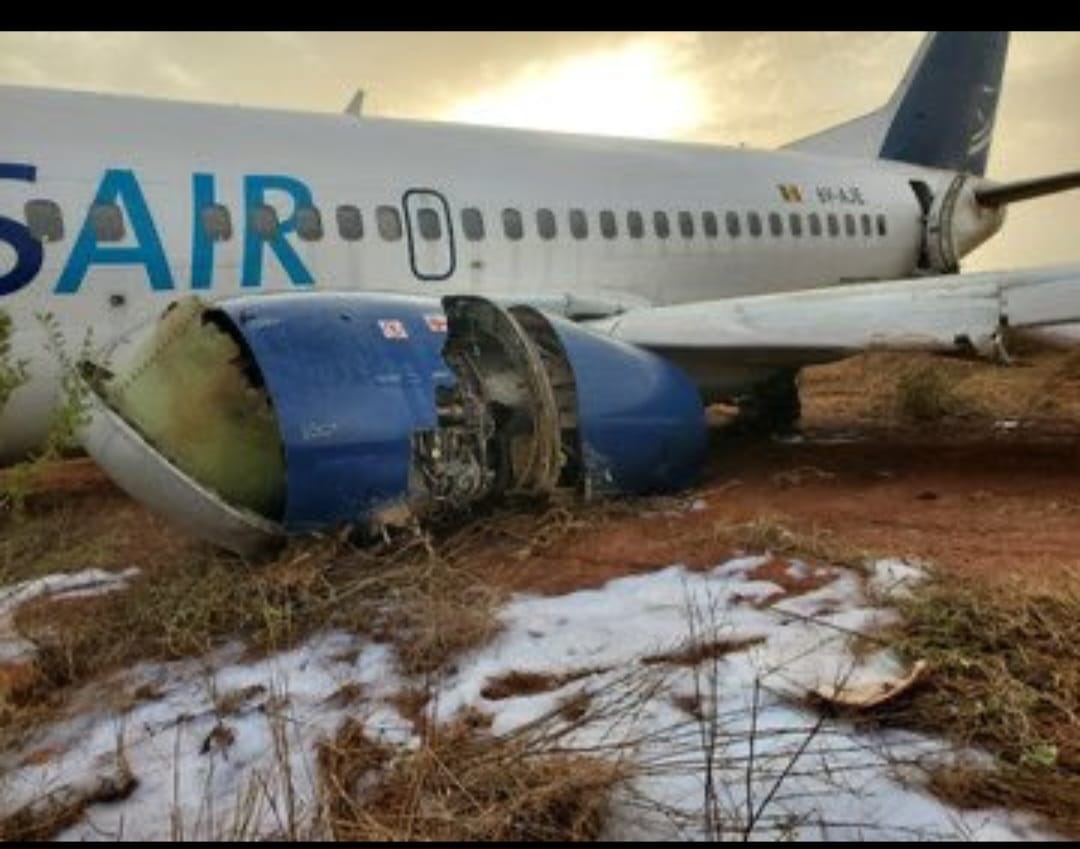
[(940, 116)]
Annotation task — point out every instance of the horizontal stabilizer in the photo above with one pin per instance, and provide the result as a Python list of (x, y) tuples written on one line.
[(1027, 189)]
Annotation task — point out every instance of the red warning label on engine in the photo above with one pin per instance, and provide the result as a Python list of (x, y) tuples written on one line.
[(436, 323), (393, 328)]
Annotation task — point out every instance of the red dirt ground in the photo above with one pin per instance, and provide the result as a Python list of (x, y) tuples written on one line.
[(994, 494)]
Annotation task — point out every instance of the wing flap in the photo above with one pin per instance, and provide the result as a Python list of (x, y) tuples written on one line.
[(1044, 304)]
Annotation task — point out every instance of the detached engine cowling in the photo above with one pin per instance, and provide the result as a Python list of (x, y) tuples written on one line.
[(261, 416)]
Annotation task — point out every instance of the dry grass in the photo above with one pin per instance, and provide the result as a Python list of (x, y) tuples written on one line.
[(1005, 676), (427, 604), (923, 390), (432, 596), (419, 592), (523, 683), (463, 784), (694, 652), (927, 393), (770, 534), (184, 615), (56, 540)]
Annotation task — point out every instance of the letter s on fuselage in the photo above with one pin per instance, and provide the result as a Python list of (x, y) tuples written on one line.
[(28, 251)]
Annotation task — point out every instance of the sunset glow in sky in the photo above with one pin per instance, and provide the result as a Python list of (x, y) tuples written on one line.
[(647, 89)]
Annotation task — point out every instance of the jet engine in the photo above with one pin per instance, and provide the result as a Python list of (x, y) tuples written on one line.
[(257, 417), (955, 221)]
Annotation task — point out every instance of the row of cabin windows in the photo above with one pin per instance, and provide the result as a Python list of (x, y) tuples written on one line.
[(45, 222), (794, 223)]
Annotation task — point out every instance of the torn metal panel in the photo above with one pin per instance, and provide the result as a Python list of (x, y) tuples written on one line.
[(641, 419), (350, 379), (873, 691), (189, 392), (147, 475)]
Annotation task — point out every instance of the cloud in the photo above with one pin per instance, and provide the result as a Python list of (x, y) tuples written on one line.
[(645, 87)]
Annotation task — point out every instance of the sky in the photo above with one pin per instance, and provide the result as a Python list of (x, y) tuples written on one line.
[(761, 89)]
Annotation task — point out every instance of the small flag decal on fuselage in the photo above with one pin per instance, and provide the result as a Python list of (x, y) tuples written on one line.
[(392, 328), (790, 192), (436, 323)]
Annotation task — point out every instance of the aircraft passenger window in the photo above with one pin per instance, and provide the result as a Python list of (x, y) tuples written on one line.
[(776, 224), (309, 224), (389, 221), (579, 224), (734, 226), (795, 223), (216, 222), (430, 225), (686, 225), (264, 221), (754, 224), (661, 224), (849, 224), (608, 228), (881, 229), (350, 223), (815, 224), (44, 220), (472, 223), (867, 227), (834, 225), (512, 225), (545, 224), (708, 224), (108, 222), (635, 224)]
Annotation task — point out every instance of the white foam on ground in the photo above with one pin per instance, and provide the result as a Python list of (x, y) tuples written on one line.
[(807, 777), (892, 578), (841, 786), (190, 790), (88, 582), (69, 584)]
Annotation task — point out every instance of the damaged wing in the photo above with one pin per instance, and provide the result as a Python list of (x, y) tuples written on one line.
[(946, 314)]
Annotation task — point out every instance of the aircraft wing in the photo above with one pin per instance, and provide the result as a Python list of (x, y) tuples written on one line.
[(951, 313)]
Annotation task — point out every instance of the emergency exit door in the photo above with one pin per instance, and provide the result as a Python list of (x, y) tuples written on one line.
[(430, 234)]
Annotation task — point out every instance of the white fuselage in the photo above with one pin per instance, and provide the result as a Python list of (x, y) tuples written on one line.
[(161, 163)]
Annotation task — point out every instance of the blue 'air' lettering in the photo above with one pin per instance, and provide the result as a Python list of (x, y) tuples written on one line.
[(28, 251), (255, 188), (119, 187)]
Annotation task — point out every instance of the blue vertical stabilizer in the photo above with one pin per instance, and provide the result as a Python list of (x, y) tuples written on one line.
[(940, 116)]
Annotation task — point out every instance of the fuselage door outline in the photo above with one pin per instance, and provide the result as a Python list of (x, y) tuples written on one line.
[(430, 259)]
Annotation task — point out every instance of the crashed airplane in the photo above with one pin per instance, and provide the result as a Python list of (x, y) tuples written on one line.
[(412, 318)]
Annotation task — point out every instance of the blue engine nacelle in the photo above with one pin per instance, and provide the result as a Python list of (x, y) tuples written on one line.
[(389, 407)]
